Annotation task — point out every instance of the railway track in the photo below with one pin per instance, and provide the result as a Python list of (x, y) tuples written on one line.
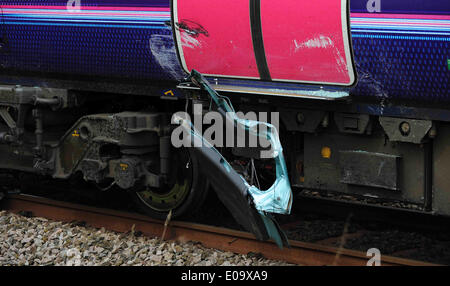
[(300, 253)]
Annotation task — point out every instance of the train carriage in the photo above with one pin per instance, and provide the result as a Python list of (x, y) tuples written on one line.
[(361, 88)]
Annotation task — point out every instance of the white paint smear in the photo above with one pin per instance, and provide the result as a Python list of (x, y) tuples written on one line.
[(324, 42), (320, 42), (165, 55), (188, 41)]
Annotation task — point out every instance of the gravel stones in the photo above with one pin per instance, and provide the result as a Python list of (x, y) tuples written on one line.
[(37, 241)]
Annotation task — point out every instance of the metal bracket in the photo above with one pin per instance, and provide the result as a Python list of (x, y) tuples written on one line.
[(7, 117), (405, 130)]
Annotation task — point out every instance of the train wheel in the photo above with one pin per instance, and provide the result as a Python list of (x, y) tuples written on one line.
[(184, 192)]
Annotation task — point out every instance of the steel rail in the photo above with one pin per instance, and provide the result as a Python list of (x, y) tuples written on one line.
[(300, 253)]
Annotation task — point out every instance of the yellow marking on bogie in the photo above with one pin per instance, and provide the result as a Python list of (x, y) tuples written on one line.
[(326, 152), (170, 92)]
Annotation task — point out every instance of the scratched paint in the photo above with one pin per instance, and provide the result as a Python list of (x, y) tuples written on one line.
[(163, 50), (323, 42), (320, 42), (313, 45), (187, 41), (219, 41), (214, 37)]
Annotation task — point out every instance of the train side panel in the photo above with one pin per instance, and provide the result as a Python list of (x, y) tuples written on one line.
[(400, 48)]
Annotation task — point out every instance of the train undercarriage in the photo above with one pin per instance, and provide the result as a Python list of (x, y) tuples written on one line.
[(115, 141)]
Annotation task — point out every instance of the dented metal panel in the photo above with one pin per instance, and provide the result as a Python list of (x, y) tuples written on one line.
[(248, 204)]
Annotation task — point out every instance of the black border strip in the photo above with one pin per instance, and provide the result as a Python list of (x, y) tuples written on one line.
[(258, 42)]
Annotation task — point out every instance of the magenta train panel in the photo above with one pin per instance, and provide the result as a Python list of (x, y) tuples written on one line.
[(223, 42), (301, 41)]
